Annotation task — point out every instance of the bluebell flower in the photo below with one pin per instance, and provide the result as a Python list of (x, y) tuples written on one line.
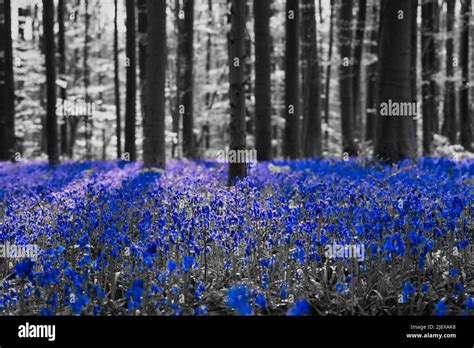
[(238, 299), (260, 301), (440, 308), (301, 307), (469, 305)]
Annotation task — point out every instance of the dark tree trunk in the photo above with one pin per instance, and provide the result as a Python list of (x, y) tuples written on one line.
[(428, 70), (464, 110), (263, 102), (130, 107), (186, 78), (50, 52), (62, 72), (292, 144), (87, 119), (449, 126), (118, 124), (142, 51), (154, 153), (358, 46), (345, 77), (372, 91), (176, 114), (237, 87), (395, 133), (414, 60), (312, 103), (7, 87)]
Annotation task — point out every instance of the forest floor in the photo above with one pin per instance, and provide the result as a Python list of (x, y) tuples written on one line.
[(298, 237)]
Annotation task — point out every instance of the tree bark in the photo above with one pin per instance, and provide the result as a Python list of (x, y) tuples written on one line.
[(312, 141), (414, 62), (50, 62), (118, 124), (449, 126), (62, 72), (154, 150), (130, 106), (292, 145), (372, 91), (263, 102), (142, 51), (237, 169), (464, 110), (186, 78), (7, 87), (358, 47), (345, 77), (395, 133)]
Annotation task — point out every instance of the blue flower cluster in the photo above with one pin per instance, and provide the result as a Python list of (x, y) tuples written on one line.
[(117, 239)]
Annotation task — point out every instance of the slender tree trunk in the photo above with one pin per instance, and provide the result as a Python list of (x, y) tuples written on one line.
[(414, 62), (50, 52), (464, 110), (118, 124), (87, 119), (142, 51), (237, 169), (176, 114), (428, 69), (62, 71), (312, 109), (449, 126), (263, 97), (292, 144), (358, 47), (130, 107), (7, 87), (154, 153), (345, 77), (371, 111), (395, 133), (328, 70), (186, 78)]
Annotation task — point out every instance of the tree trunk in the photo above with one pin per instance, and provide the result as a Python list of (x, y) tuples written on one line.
[(7, 87), (154, 153), (186, 78), (263, 97), (142, 51), (465, 121), (449, 126), (87, 119), (356, 83), (118, 125), (345, 77), (312, 104), (62, 72), (292, 143), (395, 133), (50, 52), (428, 70), (237, 169), (130, 107), (328, 69), (372, 91), (414, 62)]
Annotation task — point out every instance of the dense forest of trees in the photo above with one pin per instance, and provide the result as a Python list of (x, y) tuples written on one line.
[(275, 94)]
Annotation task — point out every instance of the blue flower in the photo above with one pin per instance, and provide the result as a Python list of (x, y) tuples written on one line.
[(260, 301), (339, 287), (440, 308), (469, 305), (134, 294), (299, 308), (453, 272), (238, 299), (187, 263), (171, 265), (23, 268)]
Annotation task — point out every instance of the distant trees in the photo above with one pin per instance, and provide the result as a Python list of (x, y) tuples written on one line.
[(7, 94), (154, 154), (395, 133), (50, 59), (237, 169), (131, 66), (292, 141), (263, 88)]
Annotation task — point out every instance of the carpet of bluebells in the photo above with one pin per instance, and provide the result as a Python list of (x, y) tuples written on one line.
[(116, 239)]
